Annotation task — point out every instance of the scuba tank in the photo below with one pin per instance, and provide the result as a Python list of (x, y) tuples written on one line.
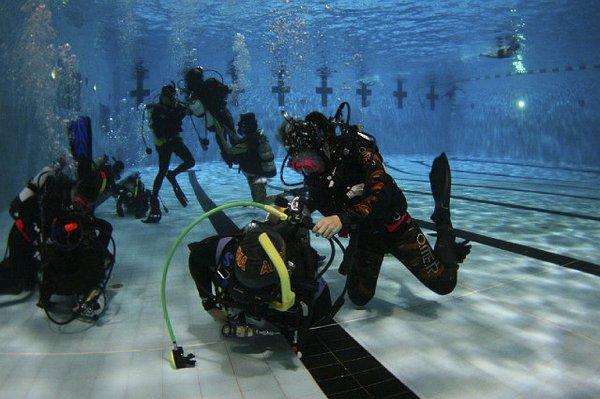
[(266, 156), (258, 159)]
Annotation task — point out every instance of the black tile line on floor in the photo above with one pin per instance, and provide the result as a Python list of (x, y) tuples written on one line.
[(497, 203), (521, 190), (491, 180), (220, 221), (350, 371), (514, 206), (539, 254), (475, 172), (568, 169)]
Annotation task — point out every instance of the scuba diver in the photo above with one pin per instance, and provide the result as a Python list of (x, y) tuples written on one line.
[(254, 156), (132, 194), (166, 118), (112, 171), (75, 256), (505, 50), (265, 280), (348, 184), (76, 259), (43, 198), (208, 98)]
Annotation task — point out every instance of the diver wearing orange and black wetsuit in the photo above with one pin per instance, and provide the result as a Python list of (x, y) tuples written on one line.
[(353, 185)]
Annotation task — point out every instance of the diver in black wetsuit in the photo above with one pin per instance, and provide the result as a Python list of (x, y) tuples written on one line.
[(112, 171), (166, 118), (348, 184), (505, 51), (254, 156), (208, 98), (133, 196), (250, 297), (45, 196)]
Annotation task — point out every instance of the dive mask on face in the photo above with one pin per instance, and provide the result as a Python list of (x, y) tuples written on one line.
[(306, 162)]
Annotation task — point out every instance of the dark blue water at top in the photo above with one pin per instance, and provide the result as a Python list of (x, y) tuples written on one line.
[(540, 105)]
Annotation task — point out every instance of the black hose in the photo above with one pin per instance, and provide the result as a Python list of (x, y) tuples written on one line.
[(148, 149), (217, 72), (203, 143), (340, 110), (114, 254), (7, 245), (281, 174), (330, 262), (60, 323)]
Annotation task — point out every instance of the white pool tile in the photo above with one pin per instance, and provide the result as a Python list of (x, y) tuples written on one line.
[(515, 327)]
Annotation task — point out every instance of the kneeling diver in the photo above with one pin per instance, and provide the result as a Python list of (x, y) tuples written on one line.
[(347, 182), (43, 198), (265, 280)]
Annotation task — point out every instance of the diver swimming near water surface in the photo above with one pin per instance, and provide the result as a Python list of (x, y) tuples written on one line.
[(505, 50), (348, 184)]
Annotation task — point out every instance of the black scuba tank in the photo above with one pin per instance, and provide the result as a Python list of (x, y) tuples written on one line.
[(258, 159)]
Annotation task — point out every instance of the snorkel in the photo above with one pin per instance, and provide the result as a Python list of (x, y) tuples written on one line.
[(287, 295)]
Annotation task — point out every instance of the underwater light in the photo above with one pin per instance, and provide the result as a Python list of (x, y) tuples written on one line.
[(520, 104)]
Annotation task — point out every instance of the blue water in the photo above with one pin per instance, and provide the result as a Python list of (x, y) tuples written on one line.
[(376, 42)]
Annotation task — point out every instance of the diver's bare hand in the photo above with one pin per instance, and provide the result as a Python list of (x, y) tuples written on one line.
[(328, 226)]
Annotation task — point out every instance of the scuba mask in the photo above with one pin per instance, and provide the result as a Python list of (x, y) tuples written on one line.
[(307, 162), (301, 138), (194, 79), (247, 124), (167, 94)]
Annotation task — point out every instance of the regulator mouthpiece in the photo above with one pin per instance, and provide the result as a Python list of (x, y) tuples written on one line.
[(179, 361)]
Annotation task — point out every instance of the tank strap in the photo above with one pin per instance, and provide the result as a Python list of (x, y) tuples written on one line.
[(220, 247)]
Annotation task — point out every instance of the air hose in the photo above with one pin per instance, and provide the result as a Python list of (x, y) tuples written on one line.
[(300, 183), (178, 360)]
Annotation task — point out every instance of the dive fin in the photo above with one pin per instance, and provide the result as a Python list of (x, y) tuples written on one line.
[(79, 133), (177, 190), (441, 183)]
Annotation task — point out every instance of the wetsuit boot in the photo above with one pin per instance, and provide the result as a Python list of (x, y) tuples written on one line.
[(446, 248), (258, 189), (155, 213)]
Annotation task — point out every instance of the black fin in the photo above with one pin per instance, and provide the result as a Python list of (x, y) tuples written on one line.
[(441, 184)]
